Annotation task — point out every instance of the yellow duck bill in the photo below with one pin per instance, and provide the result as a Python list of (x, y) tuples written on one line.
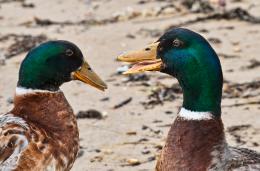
[(143, 60), (88, 76)]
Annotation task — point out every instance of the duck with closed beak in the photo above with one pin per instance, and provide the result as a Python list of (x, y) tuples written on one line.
[(41, 132)]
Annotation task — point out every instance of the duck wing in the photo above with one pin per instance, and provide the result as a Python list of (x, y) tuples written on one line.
[(244, 160), (13, 140)]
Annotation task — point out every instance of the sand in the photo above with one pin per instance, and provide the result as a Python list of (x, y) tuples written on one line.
[(132, 133)]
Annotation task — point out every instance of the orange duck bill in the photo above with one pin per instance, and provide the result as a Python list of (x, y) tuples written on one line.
[(88, 76), (143, 60)]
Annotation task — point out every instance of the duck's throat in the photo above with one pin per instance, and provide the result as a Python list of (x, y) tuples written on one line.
[(202, 96), (194, 145)]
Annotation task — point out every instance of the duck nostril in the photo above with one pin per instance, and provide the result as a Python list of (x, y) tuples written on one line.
[(147, 49)]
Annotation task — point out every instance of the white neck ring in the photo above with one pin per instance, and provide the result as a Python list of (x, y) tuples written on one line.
[(192, 115), (24, 91)]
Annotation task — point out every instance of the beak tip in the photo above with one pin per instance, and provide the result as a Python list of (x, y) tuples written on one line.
[(120, 58)]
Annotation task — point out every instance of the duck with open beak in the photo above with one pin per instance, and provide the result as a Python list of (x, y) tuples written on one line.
[(143, 60)]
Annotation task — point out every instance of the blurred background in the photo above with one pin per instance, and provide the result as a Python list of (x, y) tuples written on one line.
[(125, 127)]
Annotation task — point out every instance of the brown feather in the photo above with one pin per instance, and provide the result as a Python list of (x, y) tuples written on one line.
[(199, 145), (189, 145), (52, 132)]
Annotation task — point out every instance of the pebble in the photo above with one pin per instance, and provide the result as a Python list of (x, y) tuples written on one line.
[(80, 153), (107, 151), (90, 114), (2, 59), (237, 49), (146, 151), (131, 133), (10, 100), (152, 158), (122, 69), (168, 112), (133, 162)]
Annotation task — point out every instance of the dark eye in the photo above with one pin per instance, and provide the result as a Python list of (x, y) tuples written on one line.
[(69, 52), (176, 43)]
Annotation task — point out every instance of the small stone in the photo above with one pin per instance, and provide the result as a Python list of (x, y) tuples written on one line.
[(143, 140), (97, 150), (122, 69), (96, 158), (237, 49), (110, 170), (157, 131), (131, 133), (80, 153), (145, 151), (225, 87), (215, 40), (152, 158), (2, 59), (168, 112), (235, 43), (158, 146), (104, 99), (107, 151), (144, 127), (157, 121), (90, 114), (10, 100), (130, 36), (133, 162), (169, 11), (28, 5)]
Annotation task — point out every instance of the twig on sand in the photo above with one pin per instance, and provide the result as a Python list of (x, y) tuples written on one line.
[(121, 104)]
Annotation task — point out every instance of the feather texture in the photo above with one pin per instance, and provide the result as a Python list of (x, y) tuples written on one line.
[(200, 145), (40, 133)]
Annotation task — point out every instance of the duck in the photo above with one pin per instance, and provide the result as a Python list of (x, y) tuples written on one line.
[(196, 140), (40, 132)]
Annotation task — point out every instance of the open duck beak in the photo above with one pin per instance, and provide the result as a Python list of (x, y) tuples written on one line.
[(143, 60), (88, 76)]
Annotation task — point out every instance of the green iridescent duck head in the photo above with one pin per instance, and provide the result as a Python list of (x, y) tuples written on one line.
[(187, 56), (53, 63)]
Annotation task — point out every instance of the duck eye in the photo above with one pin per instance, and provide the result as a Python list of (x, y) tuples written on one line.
[(176, 43), (69, 52)]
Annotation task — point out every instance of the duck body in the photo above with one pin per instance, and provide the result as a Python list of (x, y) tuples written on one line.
[(194, 145), (196, 140), (200, 145), (40, 133)]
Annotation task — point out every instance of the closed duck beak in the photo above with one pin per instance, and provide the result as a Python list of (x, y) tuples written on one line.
[(88, 76)]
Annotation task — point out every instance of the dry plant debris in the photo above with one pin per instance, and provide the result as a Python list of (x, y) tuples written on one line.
[(21, 43)]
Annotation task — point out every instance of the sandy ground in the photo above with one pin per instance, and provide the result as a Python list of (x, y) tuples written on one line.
[(132, 132)]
